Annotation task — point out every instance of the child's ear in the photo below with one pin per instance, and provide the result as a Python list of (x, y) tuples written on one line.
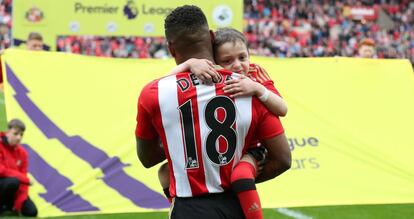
[(171, 49)]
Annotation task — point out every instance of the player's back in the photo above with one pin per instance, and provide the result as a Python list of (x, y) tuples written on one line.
[(203, 130)]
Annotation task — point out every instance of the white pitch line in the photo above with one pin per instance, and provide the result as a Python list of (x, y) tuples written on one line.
[(292, 213)]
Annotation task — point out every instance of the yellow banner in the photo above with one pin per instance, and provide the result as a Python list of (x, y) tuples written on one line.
[(349, 128), (54, 18)]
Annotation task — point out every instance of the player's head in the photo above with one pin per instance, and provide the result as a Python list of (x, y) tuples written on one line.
[(188, 34), (15, 132), (230, 50), (34, 41), (366, 48)]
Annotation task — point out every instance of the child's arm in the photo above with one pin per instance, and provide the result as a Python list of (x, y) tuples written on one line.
[(244, 86), (202, 68)]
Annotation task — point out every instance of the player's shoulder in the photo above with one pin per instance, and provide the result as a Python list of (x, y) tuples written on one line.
[(153, 85), (148, 92)]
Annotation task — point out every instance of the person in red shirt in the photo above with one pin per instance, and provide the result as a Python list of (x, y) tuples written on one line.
[(14, 183), (204, 131)]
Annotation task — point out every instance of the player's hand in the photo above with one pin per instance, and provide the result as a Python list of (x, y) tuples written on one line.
[(259, 154), (204, 70), (242, 86), (260, 165)]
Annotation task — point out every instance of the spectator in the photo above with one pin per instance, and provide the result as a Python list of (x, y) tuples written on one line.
[(366, 48), (14, 182), (5, 39), (34, 41)]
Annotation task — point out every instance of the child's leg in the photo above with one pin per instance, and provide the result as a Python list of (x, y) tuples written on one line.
[(243, 183), (164, 177)]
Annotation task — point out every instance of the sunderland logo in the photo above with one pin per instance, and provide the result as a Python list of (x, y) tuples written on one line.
[(34, 14), (130, 10)]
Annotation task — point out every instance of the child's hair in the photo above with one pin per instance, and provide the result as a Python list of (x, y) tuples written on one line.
[(367, 42), (35, 36), (226, 34), (17, 124)]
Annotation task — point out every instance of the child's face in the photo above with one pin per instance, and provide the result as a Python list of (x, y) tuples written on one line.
[(233, 57), (14, 136)]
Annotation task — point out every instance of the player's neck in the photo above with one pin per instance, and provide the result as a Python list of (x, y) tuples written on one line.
[(197, 55)]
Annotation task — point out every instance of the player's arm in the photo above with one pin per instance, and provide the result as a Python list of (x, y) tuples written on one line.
[(202, 68), (149, 152), (270, 132), (279, 158), (148, 144), (244, 86)]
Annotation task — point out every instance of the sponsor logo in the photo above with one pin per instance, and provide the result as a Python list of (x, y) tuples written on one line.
[(34, 14), (254, 207), (74, 26), (149, 28), (222, 15), (111, 27), (130, 10)]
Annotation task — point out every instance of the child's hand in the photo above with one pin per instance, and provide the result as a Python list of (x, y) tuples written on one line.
[(204, 70), (242, 86)]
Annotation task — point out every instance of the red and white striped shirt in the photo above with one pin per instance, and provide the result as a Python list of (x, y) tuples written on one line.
[(204, 132)]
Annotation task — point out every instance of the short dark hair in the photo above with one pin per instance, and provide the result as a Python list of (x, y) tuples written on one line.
[(226, 34), (35, 36), (16, 124), (184, 20)]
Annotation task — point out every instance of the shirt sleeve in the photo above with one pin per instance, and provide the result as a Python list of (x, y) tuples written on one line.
[(263, 77), (269, 125), (8, 172), (145, 128), (23, 190)]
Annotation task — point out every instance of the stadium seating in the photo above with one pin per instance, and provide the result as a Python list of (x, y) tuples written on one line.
[(308, 28)]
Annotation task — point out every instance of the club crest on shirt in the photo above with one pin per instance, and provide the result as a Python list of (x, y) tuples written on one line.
[(222, 159), (192, 163), (18, 162)]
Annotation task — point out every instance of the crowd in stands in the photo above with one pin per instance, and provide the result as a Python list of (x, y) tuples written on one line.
[(315, 28), (5, 24), (276, 28), (123, 47)]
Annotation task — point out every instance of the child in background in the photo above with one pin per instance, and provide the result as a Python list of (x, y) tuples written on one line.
[(231, 53)]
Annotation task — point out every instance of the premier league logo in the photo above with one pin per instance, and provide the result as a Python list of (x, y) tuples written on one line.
[(130, 10)]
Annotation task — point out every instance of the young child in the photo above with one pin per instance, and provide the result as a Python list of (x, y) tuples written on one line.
[(231, 53)]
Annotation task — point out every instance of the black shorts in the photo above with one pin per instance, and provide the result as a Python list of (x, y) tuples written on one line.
[(213, 206)]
